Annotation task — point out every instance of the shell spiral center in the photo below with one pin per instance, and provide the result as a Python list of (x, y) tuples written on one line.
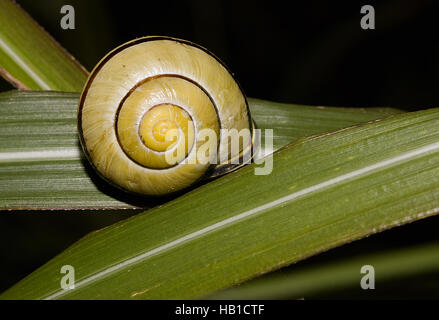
[(164, 126)]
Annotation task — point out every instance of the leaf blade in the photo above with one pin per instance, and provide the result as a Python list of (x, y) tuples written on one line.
[(261, 222), (292, 121), (41, 164), (30, 58), (342, 273), (42, 126)]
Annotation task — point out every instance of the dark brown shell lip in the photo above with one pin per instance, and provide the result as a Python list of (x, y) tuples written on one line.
[(225, 169)]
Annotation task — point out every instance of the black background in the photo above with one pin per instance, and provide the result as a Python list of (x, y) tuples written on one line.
[(309, 52)]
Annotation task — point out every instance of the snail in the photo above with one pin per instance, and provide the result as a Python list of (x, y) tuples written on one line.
[(156, 113)]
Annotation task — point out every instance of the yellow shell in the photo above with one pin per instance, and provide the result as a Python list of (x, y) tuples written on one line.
[(143, 110)]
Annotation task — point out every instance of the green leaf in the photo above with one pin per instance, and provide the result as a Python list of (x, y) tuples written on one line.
[(30, 58), (292, 121), (41, 164), (42, 167), (324, 191), (395, 264)]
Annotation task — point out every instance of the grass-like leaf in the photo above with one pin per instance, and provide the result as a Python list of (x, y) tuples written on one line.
[(324, 191), (340, 274), (42, 167), (41, 164), (292, 121), (30, 58)]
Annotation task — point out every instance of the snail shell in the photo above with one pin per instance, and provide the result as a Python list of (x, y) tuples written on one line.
[(143, 111)]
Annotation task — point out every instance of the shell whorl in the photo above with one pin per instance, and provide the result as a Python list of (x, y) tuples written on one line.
[(143, 109)]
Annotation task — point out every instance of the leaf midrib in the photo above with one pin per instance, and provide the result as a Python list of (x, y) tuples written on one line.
[(422, 151), (30, 71)]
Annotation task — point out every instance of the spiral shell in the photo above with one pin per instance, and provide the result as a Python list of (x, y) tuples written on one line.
[(144, 107)]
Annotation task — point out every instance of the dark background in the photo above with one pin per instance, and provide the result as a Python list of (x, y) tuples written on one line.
[(306, 52), (310, 52)]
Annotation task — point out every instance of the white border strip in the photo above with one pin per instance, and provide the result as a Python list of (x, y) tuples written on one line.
[(252, 212)]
